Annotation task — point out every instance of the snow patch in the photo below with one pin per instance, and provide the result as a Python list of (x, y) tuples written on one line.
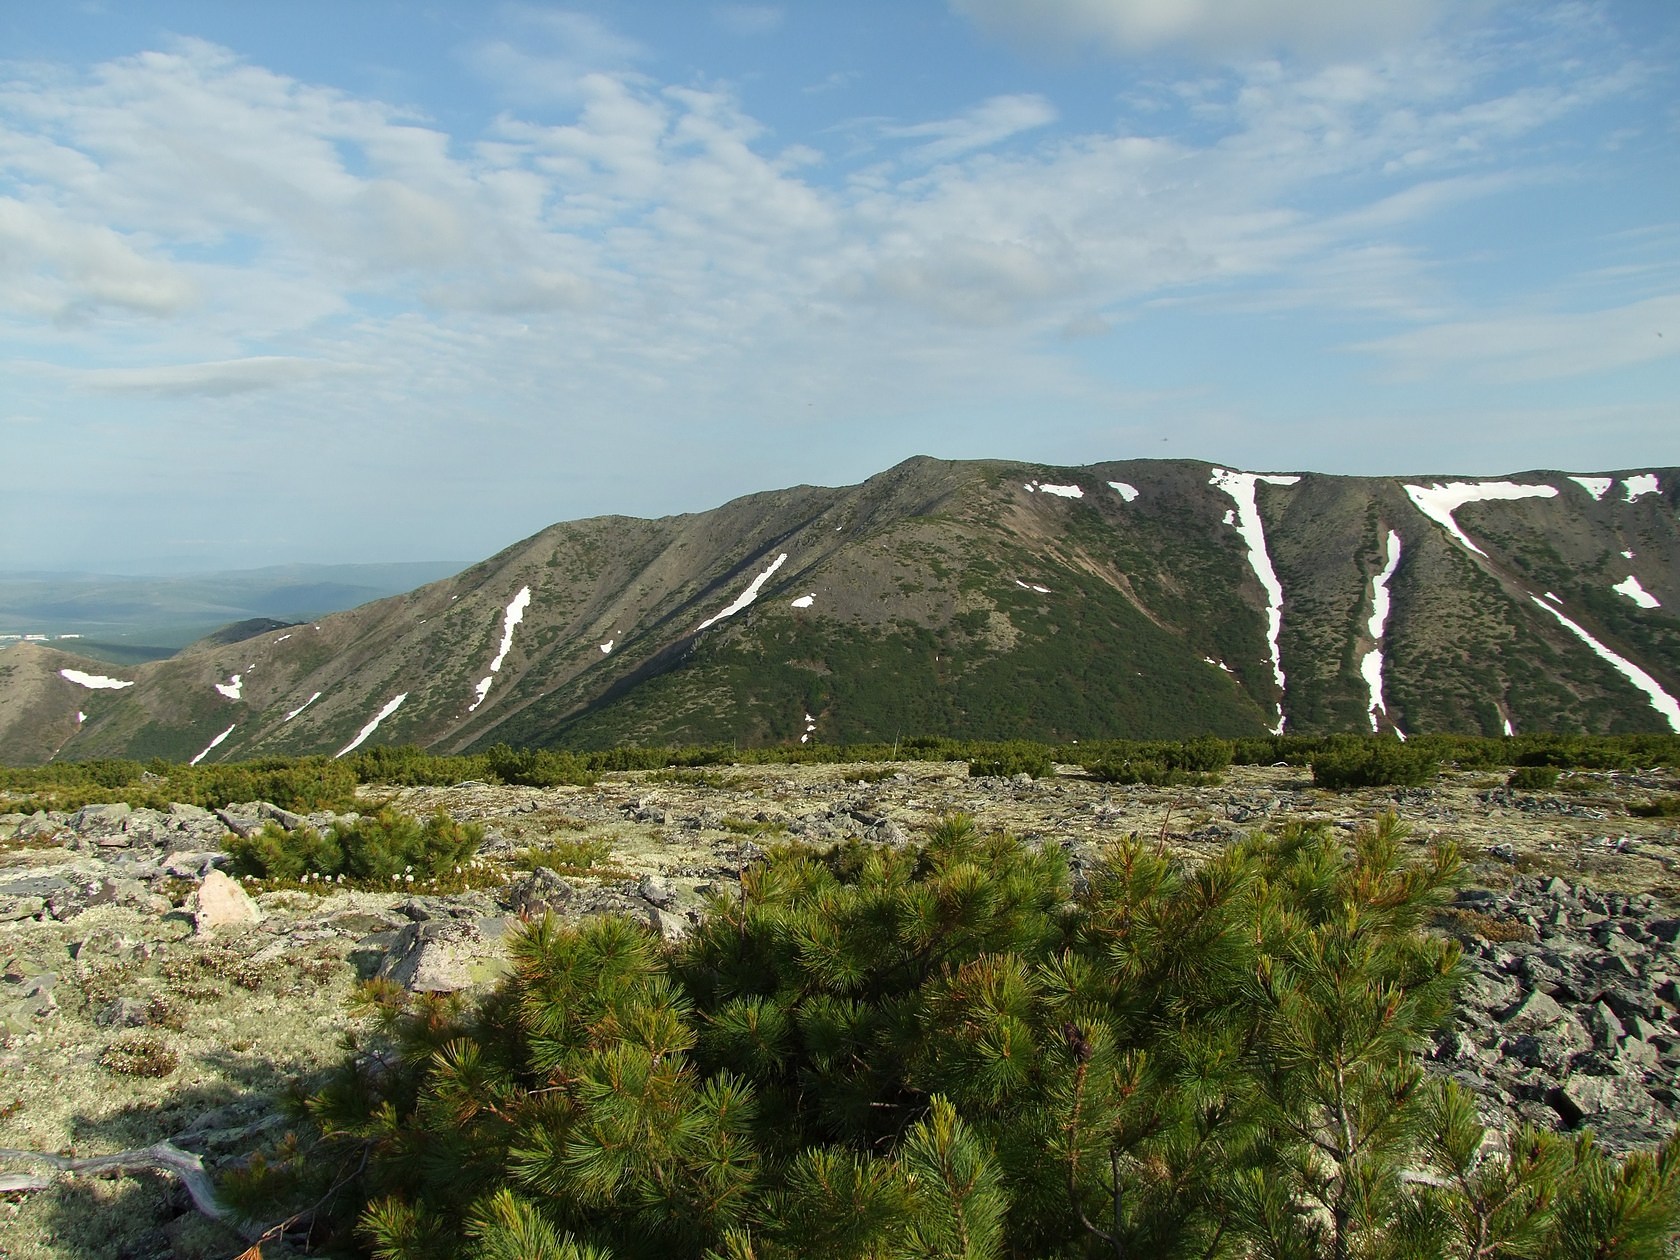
[(1066, 492), (1627, 555), (1240, 486), (607, 646), (514, 614), (1637, 593), (1032, 586), (1598, 487), (1509, 729), (805, 601), (1661, 701), (747, 596), (372, 726), (312, 699), (1371, 667), (1230, 516), (1644, 483), (1438, 502), (1126, 492), (211, 747), (80, 717), (281, 639), (1217, 664), (231, 687), (94, 682)]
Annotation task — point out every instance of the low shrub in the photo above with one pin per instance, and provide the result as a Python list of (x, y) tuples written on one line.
[(1148, 772), (1533, 778), (1005, 761), (374, 847), (1345, 765), (142, 1054), (1660, 807), (537, 767)]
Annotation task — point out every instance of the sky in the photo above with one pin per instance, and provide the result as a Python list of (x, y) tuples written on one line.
[(394, 280)]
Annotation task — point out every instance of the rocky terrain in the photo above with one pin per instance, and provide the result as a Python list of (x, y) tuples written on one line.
[(144, 996), (982, 600)]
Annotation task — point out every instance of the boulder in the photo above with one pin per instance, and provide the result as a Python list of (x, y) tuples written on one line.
[(222, 903), (540, 892), (442, 956), (1533, 1011)]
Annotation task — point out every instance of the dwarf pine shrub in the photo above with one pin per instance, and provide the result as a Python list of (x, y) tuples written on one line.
[(1347, 763), (372, 847), (945, 1051)]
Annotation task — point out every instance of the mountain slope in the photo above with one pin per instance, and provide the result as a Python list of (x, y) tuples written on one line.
[(988, 599)]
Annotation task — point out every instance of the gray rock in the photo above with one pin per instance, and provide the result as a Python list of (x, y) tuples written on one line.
[(442, 957), (285, 817), (1582, 1096), (93, 819), (656, 891), (541, 891), (122, 1012), (1535, 1010)]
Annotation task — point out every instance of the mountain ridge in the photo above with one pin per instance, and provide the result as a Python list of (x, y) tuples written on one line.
[(986, 598)]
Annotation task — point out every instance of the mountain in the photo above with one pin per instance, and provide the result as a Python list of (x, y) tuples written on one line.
[(1137, 598)]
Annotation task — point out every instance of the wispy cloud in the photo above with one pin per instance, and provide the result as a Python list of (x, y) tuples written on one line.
[(748, 19), (990, 122), (1217, 26), (1530, 347), (204, 380)]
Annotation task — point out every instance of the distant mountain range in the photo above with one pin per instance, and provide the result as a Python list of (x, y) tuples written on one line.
[(132, 619), (1142, 598)]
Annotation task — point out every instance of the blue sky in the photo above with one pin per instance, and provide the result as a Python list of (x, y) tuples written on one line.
[(389, 280)]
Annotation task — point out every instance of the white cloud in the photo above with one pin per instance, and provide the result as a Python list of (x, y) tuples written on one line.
[(1219, 26), (61, 270), (1528, 347), (552, 53)]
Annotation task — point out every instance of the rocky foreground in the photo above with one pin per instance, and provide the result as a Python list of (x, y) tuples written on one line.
[(146, 997)]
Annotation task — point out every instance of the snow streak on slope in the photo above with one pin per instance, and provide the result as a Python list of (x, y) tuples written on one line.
[(1066, 492), (1661, 701), (1371, 668), (1240, 486), (1637, 593), (371, 727), (94, 682), (512, 617), (747, 596), (1598, 487), (231, 687), (211, 747), (312, 699), (1439, 502), (1644, 483)]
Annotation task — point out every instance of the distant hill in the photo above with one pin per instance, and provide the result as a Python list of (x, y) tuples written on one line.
[(131, 619), (987, 599)]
